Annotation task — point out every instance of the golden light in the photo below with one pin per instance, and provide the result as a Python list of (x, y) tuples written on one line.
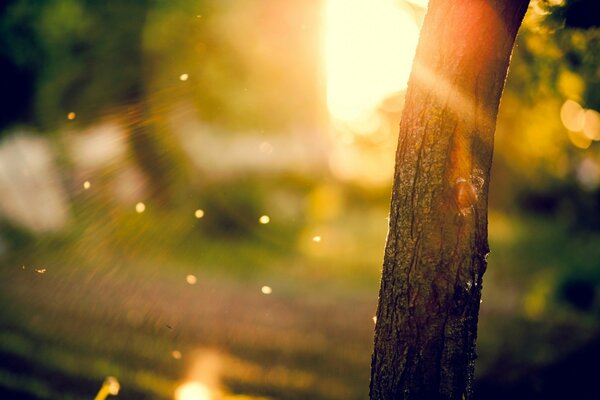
[(193, 391), (264, 219), (203, 377), (266, 290), (369, 49), (176, 354), (140, 207), (199, 213), (191, 279), (87, 185), (572, 115), (265, 147), (316, 239), (110, 386), (579, 140), (183, 77), (71, 116), (591, 124)]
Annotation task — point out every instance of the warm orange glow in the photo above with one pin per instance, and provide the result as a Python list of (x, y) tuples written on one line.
[(193, 391), (572, 116), (266, 290), (110, 387), (203, 378), (591, 124), (369, 49), (140, 207)]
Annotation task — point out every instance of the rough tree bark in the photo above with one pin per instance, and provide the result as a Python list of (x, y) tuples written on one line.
[(437, 244)]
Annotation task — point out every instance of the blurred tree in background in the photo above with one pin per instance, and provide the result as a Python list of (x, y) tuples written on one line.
[(135, 60), (548, 131)]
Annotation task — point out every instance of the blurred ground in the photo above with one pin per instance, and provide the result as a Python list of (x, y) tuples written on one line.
[(68, 321)]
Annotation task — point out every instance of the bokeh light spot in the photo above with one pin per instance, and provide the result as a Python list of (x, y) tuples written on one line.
[(579, 140), (266, 290), (572, 115), (591, 124), (193, 391), (266, 148), (113, 385)]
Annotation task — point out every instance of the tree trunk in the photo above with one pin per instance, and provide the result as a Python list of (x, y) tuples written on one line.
[(437, 245), (148, 153)]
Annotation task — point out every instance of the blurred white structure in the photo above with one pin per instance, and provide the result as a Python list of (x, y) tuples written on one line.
[(223, 154), (31, 192), (100, 153), (98, 146)]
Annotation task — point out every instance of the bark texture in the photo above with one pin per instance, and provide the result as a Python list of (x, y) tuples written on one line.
[(437, 244)]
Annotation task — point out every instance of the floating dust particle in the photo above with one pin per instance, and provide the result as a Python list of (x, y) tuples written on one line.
[(266, 290), (140, 207)]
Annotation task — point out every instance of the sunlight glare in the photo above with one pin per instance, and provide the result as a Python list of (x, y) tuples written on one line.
[(369, 49), (264, 219)]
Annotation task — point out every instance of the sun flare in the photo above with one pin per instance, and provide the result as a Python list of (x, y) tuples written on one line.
[(369, 49)]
